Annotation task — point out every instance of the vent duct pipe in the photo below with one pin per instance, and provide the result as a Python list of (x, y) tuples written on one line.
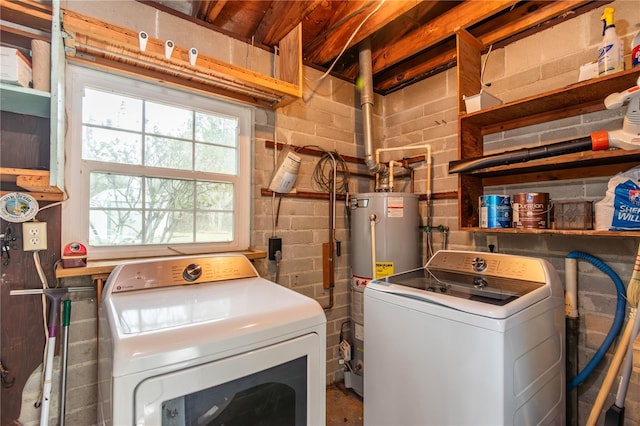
[(366, 103)]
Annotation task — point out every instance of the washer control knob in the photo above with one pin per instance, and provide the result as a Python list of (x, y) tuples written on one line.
[(479, 264), (192, 272)]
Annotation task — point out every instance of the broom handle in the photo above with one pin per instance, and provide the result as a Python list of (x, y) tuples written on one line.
[(612, 372)]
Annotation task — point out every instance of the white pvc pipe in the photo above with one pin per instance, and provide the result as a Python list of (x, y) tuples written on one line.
[(391, 165), (403, 148), (571, 288), (372, 224)]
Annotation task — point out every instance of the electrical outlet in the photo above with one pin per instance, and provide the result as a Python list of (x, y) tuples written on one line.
[(492, 243), (34, 236)]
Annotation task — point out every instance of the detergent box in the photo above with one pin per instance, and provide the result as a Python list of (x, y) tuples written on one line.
[(619, 210)]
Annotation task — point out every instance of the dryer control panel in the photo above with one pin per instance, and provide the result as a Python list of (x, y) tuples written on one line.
[(156, 273)]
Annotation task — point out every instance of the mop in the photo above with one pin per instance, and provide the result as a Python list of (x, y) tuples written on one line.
[(633, 296)]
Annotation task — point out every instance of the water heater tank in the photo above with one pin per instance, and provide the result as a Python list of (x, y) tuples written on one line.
[(397, 240)]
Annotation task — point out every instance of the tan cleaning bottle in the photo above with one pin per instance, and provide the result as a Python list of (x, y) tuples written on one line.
[(610, 57)]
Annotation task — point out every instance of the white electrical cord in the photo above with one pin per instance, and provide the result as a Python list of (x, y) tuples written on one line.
[(344, 48)]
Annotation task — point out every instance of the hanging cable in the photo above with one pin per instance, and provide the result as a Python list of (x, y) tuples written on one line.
[(344, 48), (484, 65), (323, 172)]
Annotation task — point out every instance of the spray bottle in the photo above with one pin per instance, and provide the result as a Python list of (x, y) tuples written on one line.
[(610, 58)]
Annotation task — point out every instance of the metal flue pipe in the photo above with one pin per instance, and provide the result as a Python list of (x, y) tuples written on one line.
[(366, 103)]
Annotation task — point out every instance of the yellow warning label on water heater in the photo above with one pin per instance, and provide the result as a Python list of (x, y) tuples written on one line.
[(384, 269)]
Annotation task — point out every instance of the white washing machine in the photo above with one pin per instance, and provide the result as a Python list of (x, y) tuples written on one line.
[(470, 339), (203, 340)]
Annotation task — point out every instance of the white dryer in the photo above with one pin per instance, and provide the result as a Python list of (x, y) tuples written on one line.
[(203, 340), (470, 339)]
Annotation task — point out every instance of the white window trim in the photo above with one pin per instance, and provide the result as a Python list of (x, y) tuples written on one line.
[(75, 212)]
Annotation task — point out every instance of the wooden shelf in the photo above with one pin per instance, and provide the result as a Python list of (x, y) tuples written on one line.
[(569, 166), (576, 99), (527, 231), (22, 22), (24, 100), (37, 182), (111, 47)]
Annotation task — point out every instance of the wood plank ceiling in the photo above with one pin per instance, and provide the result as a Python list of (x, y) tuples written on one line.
[(410, 39)]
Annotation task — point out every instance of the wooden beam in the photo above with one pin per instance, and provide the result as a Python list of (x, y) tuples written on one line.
[(461, 16), (418, 66), (214, 10), (330, 43), (530, 20), (282, 18)]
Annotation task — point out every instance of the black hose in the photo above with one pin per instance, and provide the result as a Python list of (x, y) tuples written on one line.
[(520, 155)]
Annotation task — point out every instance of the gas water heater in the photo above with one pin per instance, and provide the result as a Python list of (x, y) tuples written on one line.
[(393, 221)]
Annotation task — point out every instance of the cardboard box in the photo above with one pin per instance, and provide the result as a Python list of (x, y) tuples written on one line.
[(572, 215), (15, 68), (480, 101)]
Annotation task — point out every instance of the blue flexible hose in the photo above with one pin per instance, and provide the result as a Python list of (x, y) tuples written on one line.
[(618, 320)]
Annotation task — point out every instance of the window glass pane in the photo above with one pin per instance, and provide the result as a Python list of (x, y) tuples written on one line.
[(114, 227), (168, 121), (169, 153), (216, 159), (111, 146), (217, 129), (111, 110), (111, 191), (214, 196), (169, 194), (169, 227), (114, 216), (214, 227)]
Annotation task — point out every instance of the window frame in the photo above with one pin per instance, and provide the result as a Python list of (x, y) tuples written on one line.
[(75, 211)]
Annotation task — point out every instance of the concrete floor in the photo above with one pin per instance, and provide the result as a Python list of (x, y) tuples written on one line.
[(344, 406)]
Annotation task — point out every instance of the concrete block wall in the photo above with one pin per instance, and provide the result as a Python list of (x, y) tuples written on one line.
[(324, 119)]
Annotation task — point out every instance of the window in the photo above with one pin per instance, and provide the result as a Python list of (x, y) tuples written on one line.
[(152, 170)]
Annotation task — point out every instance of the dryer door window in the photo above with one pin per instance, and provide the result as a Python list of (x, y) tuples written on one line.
[(274, 385), (276, 396)]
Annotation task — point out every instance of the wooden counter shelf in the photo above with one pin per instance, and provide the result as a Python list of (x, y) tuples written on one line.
[(534, 231), (97, 267), (99, 270)]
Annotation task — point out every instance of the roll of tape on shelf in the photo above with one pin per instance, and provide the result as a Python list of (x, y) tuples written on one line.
[(41, 65)]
